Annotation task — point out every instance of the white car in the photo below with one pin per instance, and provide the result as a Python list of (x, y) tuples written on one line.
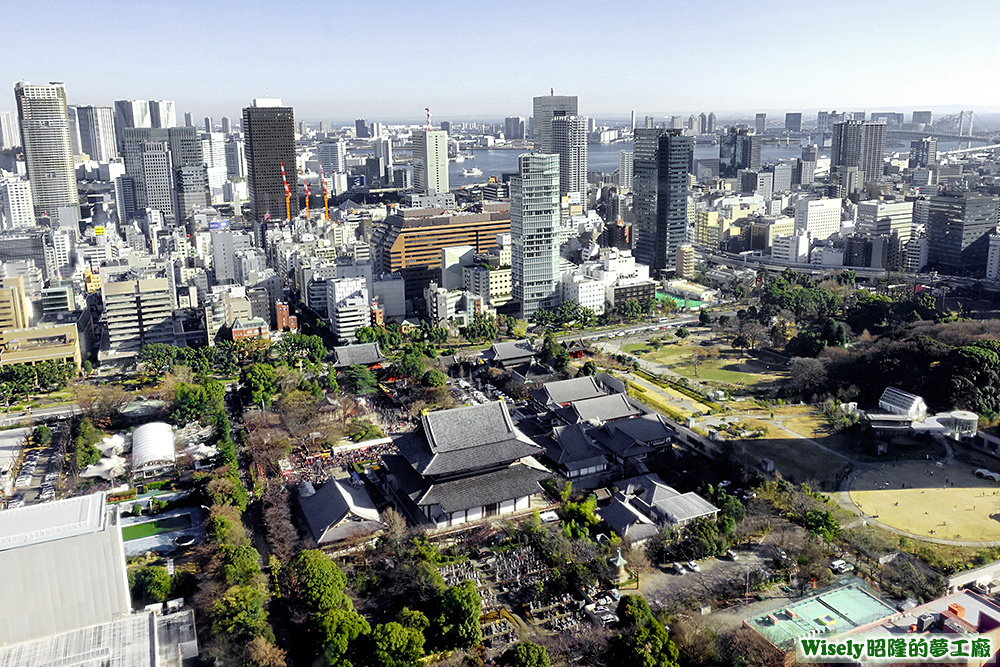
[(693, 566)]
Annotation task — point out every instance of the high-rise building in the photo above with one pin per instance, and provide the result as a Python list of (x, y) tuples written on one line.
[(820, 218), (649, 122), (332, 156), (48, 152), (430, 161), (361, 129), (445, 126), (959, 225), (712, 122), (923, 152), (382, 148), (10, 131), (138, 312), (545, 109), (569, 142), (660, 180), (513, 128), (130, 113), (74, 129), (625, 170), (534, 226), (162, 113), (883, 218), (269, 142), (208, 124), (861, 144), (793, 122), (694, 124), (227, 125), (236, 160), (16, 209), (97, 132), (922, 118), (188, 119), (153, 160), (760, 123), (823, 121), (738, 149)]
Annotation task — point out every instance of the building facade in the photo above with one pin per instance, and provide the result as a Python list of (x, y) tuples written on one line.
[(269, 144), (430, 161), (534, 224), (48, 151), (660, 180)]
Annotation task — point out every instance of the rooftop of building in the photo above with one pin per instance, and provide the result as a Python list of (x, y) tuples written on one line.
[(46, 522), (839, 609)]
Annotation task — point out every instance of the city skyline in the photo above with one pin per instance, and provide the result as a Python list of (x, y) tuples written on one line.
[(459, 77)]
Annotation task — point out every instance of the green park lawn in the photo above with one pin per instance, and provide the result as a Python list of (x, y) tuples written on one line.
[(731, 367), (156, 527)]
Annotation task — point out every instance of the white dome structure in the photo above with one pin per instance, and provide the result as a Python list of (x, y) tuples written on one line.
[(152, 449)]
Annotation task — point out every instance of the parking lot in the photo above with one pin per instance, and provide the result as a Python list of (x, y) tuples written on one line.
[(37, 477), (664, 588)]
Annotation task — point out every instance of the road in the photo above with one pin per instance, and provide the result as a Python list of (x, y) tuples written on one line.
[(41, 414)]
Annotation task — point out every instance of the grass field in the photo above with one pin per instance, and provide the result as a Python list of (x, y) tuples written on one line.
[(150, 528), (658, 401), (731, 367), (905, 496)]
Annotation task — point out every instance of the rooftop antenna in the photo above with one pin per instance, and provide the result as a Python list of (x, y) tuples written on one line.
[(428, 118)]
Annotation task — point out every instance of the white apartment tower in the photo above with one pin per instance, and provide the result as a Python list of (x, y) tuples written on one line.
[(430, 161), (625, 170), (569, 142), (332, 156), (16, 209), (97, 133), (534, 226), (48, 151), (10, 133)]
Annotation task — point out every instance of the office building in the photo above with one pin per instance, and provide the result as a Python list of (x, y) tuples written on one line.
[(757, 182), (162, 113), (923, 152), (993, 258), (97, 133), (209, 125), (74, 129), (823, 121), (48, 152), (15, 310), (545, 109), (738, 149), (922, 118), (861, 144), (760, 123), (569, 142), (332, 156), (685, 261), (188, 119), (430, 161), (534, 224), (16, 208), (883, 218), (138, 312), (227, 125), (819, 218), (361, 129), (32, 245), (410, 243), (130, 113), (269, 143), (959, 225), (10, 131), (805, 167), (382, 149), (712, 123), (236, 160), (793, 122), (513, 128), (625, 170), (660, 195), (153, 160), (782, 176)]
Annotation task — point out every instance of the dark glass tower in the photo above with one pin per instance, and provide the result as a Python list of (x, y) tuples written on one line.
[(738, 149), (269, 141), (661, 161)]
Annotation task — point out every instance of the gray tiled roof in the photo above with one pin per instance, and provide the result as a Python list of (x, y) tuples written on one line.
[(572, 448), (628, 522), (363, 354), (515, 350), (475, 437), (605, 408), (509, 483), (331, 505), (645, 428), (650, 491), (576, 389)]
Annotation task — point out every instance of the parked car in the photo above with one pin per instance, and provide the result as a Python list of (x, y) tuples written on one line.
[(678, 569), (693, 566), (732, 555)]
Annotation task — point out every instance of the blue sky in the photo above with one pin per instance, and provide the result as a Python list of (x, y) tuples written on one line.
[(390, 59)]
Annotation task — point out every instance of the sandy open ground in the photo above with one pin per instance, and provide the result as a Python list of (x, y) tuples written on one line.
[(925, 499)]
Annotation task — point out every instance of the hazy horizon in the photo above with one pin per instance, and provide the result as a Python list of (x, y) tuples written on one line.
[(388, 60)]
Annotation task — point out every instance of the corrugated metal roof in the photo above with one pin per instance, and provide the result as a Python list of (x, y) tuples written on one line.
[(45, 522)]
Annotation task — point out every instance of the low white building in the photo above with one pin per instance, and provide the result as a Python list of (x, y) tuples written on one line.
[(898, 402), (794, 248), (153, 451)]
